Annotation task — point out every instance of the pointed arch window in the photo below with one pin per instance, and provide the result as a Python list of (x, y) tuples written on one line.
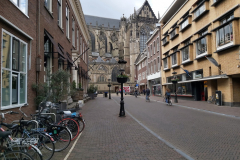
[(115, 73), (93, 41), (101, 78), (144, 33)]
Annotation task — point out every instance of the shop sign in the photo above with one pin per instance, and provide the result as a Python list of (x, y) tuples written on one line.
[(198, 76)]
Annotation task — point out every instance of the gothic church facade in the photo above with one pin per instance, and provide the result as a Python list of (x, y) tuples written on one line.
[(112, 39)]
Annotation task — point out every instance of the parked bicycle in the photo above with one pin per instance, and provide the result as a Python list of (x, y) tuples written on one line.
[(30, 129), (17, 148), (211, 99)]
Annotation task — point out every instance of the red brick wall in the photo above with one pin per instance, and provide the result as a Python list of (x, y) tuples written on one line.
[(28, 25)]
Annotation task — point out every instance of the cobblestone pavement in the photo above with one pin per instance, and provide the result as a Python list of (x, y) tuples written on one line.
[(203, 105), (198, 133), (193, 131), (109, 137)]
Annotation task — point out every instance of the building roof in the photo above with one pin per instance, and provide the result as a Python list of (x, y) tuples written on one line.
[(98, 21), (140, 9), (172, 10)]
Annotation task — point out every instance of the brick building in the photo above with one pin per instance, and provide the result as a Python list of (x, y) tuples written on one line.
[(45, 35), (194, 30), (18, 53), (154, 62), (141, 71)]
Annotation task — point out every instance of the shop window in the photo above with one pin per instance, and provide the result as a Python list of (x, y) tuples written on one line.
[(14, 71), (198, 74)]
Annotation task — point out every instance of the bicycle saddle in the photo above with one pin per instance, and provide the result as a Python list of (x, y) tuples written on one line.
[(5, 134), (10, 126)]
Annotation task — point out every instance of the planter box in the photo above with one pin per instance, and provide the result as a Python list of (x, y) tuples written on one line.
[(78, 96), (122, 80), (174, 82), (91, 95)]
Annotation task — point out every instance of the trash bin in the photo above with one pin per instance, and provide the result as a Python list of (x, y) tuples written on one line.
[(106, 94), (218, 98)]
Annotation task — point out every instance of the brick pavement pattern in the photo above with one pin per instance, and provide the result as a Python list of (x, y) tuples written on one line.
[(109, 137), (203, 105)]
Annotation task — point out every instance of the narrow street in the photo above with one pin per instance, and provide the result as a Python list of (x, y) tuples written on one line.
[(153, 131)]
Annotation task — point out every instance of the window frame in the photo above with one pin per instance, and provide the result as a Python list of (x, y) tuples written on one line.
[(67, 21), (203, 7), (165, 63), (174, 59), (59, 2), (19, 7), (184, 53), (50, 5), (73, 32), (226, 21), (184, 21), (12, 72)]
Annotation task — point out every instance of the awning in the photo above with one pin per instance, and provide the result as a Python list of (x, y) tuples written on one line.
[(142, 84), (201, 79), (55, 45), (206, 78), (69, 59)]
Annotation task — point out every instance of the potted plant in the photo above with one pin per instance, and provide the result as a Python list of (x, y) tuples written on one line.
[(175, 80), (122, 78), (91, 91), (56, 91)]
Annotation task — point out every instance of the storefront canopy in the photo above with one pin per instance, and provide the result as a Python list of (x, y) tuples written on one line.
[(202, 79)]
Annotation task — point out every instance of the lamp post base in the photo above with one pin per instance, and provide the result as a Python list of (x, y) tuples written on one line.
[(175, 100), (122, 111)]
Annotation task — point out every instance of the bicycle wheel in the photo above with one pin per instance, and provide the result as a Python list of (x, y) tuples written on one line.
[(45, 145), (32, 150), (72, 125), (209, 99), (164, 99), (15, 155), (62, 136), (81, 124)]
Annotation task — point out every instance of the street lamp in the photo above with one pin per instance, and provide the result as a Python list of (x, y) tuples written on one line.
[(174, 81), (122, 80), (109, 85)]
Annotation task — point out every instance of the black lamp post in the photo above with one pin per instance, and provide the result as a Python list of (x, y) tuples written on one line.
[(122, 80), (109, 85), (174, 81)]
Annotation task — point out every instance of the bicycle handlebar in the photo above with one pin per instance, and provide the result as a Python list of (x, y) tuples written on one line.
[(20, 109), (8, 112)]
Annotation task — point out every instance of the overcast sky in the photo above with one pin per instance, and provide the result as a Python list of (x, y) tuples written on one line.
[(115, 9)]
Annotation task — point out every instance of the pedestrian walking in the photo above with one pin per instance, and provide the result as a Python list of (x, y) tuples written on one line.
[(117, 92), (136, 92), (147, 94), (144, 92), (167, 95)]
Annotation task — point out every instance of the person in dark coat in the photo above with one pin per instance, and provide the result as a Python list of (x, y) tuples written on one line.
[(147, 93), (144, 91)]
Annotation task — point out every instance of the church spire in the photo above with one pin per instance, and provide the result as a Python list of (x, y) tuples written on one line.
[(158, 15)]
